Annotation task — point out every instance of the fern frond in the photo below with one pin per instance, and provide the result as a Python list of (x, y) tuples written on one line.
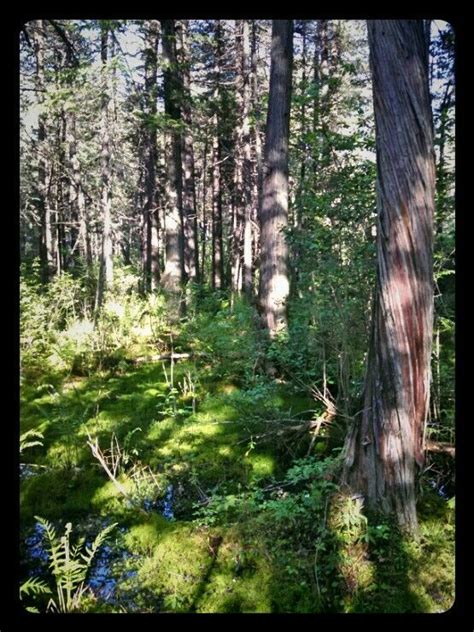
[(34, 586), (101, 537), (29, 444), (24, 439), (48, 527)]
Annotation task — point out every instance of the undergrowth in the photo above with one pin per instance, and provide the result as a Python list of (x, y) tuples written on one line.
[(225, 509)]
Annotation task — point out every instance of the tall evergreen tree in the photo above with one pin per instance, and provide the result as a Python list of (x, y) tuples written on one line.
[(106, 262), (274, 283), (386, 443), (173, 274)]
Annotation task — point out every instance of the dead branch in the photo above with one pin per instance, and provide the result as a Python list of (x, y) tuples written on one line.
[(99, 455), (441, 447), (168, 356)]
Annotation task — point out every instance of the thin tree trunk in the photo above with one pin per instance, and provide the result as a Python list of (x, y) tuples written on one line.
[(238, 202), (191, 252), (106, 265), (67, 200), (44, 167), (173, 274), (386, 442), (204, 211), (274, 284), (441, 164), (322, 102), (297, 213), (152, 271), (217, 245), (78, 208), (257, 145), (247, 280)]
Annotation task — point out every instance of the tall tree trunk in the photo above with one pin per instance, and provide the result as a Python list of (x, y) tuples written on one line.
[(441, 173), (247, 280), (217, 245), (76, 194), (44, 166), (63, 203), (106, 265), (174, 272), (297, 213), (321, 104), (242, 226), (191, 252), (238, 192), (257, 144), (204, 210), (152, 270), (386, 442), (274, 284)]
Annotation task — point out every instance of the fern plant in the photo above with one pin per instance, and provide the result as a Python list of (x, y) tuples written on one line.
[(69, 564), (25, 439), (33, 586)]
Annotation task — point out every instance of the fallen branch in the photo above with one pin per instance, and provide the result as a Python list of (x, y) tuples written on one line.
[(98, 454), (441, 447), (167, 356)]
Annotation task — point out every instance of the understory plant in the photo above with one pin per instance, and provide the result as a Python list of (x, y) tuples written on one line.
[(69, 564)]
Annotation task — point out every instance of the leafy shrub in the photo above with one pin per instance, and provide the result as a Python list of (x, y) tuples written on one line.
[(227, 336)]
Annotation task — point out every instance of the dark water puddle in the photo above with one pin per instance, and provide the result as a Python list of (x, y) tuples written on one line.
[(36, 549), (443, 490), (113, 566), (164, 506), (27, 470)]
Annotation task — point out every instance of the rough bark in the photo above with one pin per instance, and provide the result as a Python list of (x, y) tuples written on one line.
[(274, 284), (386, 442), (173, 273)]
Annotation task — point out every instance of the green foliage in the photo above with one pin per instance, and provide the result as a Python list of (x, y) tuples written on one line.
[(69, 564), (58, 328), (31, 587), (227, 336), (25, 439)]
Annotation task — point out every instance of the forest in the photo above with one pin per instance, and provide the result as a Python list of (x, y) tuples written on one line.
[(237, 316)]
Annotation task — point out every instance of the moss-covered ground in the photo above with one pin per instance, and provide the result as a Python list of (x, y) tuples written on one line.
[(202, 436)]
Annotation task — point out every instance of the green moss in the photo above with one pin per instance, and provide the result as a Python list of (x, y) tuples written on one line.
[(263, 465), (58, 494), (213, 451), (239, 580), (176, 561)]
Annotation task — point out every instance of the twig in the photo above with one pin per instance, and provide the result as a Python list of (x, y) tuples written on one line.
[(97, 453)]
